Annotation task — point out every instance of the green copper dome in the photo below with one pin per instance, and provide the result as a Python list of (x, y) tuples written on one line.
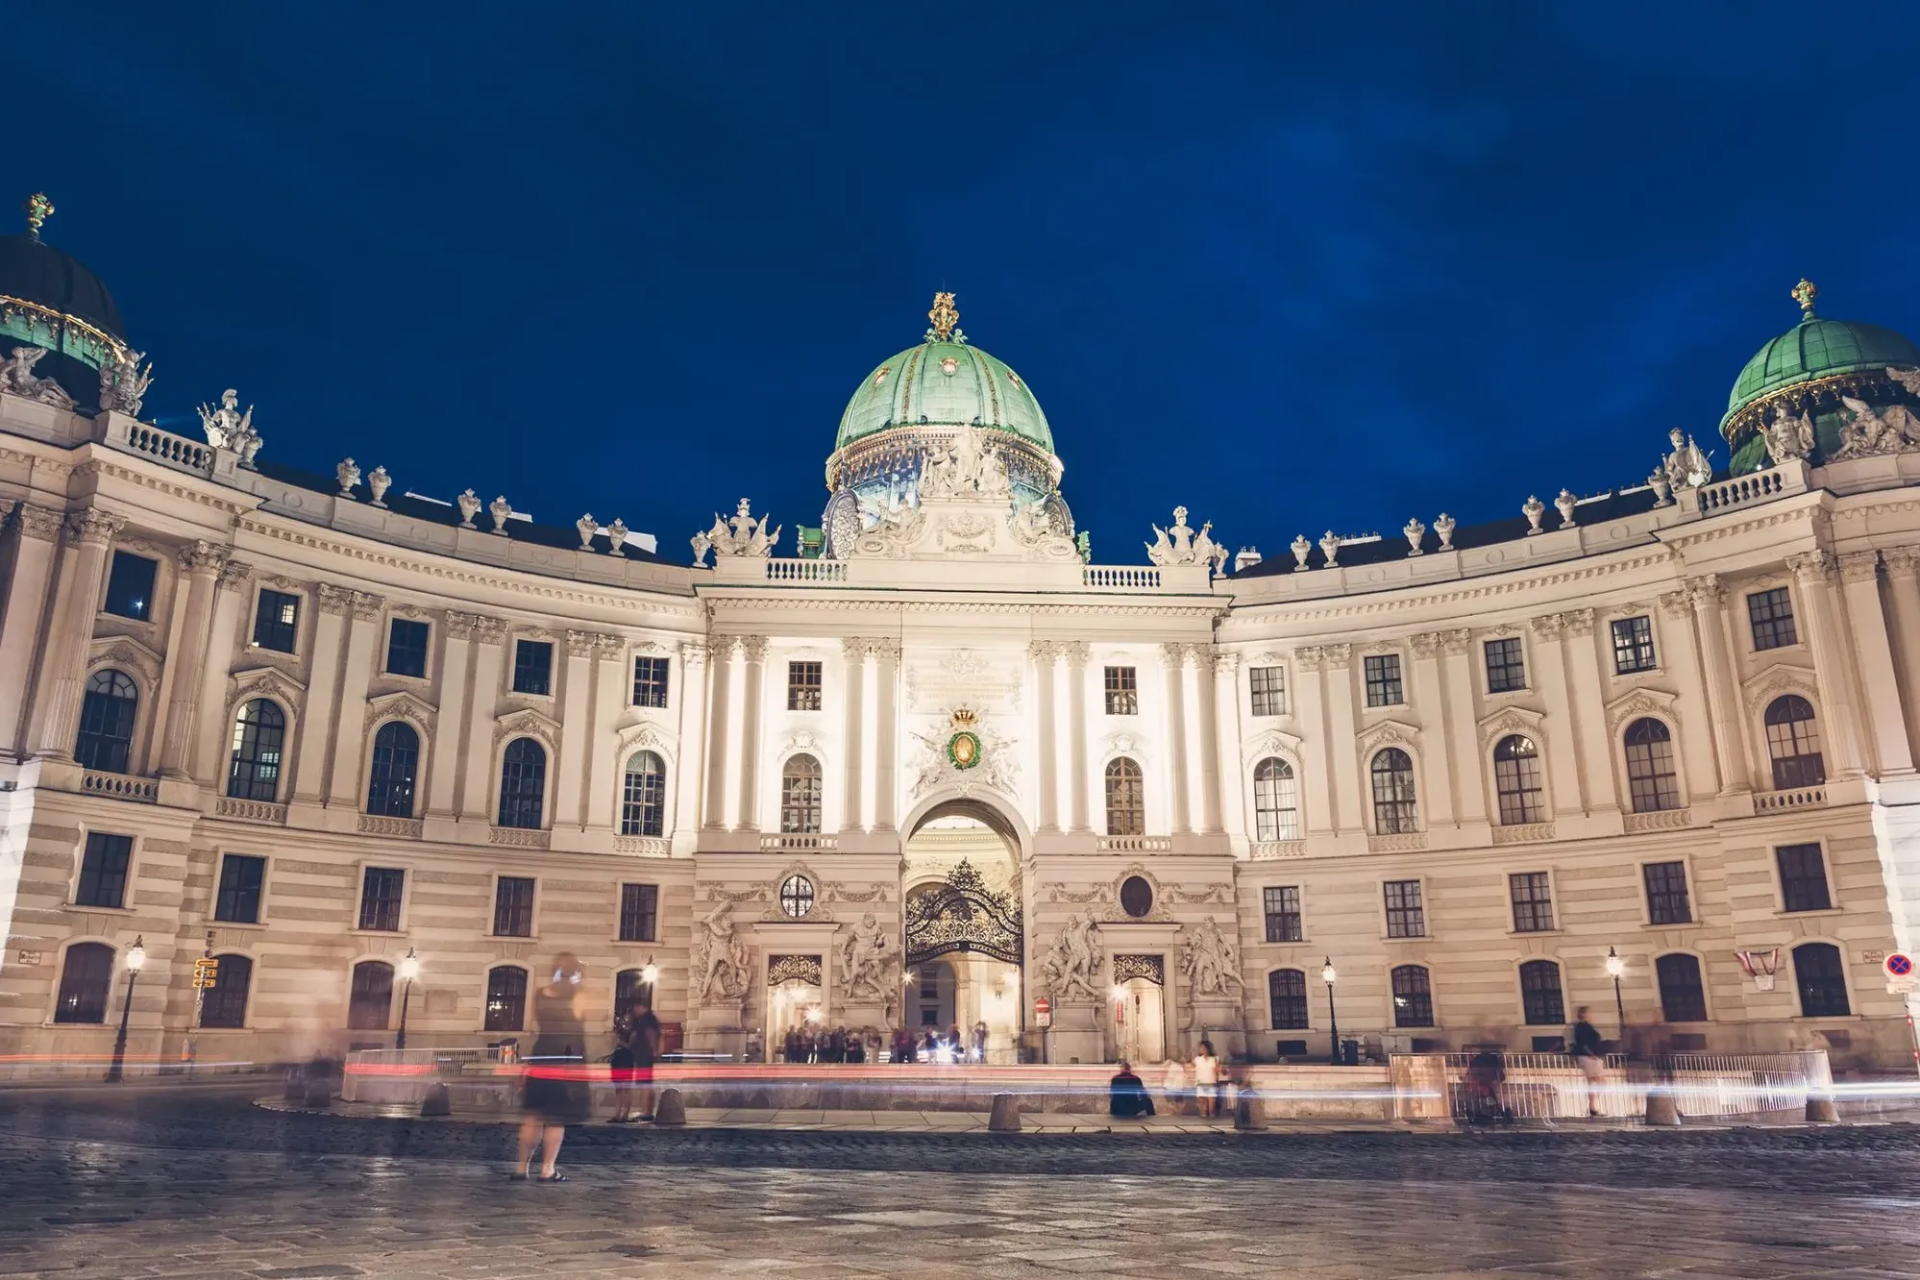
[(1813, 349), (943, 382)]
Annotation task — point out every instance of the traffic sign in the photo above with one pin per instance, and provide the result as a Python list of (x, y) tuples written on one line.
[(1902, 974), (1042, 1012), (206, 972)]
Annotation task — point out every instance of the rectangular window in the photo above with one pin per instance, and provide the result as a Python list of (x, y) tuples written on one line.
[(241, 879), (1269, 690), (276, 620), (513, 907), (1771, 614), (1123, 692), (1287, 998), (1667, 901), (639, 911), (1283, 913), (533, 667), (1406, 917), (650, 682), (130, 586), (1803, 878), (1532, 901), (803, 686), (1383, 680), (407, 647), (1633, 645), (103, 871), (1506, 665), (380, 889)]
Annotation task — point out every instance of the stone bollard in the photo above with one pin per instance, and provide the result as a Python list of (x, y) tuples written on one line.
[(1660, 1109), (1821, 1110), (1249, 1112), (1005, 1116), (438, 1101), (669, 1109)]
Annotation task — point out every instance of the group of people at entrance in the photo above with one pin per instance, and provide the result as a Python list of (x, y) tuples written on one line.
[(804, 1043), (1128, 1096), (931, 1046)]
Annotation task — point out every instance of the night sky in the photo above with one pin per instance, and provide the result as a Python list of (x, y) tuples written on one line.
[(1294, 266)]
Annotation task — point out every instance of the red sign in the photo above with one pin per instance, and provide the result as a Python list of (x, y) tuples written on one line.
[(1042, 1005), (1899, 964)]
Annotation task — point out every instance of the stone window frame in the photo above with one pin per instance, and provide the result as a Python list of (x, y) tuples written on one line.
[(1681, 790), (134, 855), (1519, 963), (1396, 683), (165, 576), (1834, 905), (1792, 967), (1544, 789), (1796, 618), (409, 873), (1706, 984), (778, 792), (510, 668), (1266, 990), (241, 849), (1372, 803), (284, 777), (271, 684), (493, 909), (393, 986), (549, 780), (1685, 860), (407, 613), (141, 665), (1106, 805), (1253, 802), (253, 959), (1299, 887), (1486, 670), (422, 763), (303, 623), (1553, 901), (1426, 909), (116, 978), (1393, 1023)]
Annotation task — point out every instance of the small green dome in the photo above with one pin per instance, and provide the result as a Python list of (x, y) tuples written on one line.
[(1816, 348), (944, 383)]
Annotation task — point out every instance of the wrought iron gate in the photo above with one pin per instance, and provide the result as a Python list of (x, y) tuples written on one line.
[(962, 914)]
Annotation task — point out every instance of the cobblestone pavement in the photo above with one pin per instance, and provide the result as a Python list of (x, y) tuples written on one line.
[(198, 1183)]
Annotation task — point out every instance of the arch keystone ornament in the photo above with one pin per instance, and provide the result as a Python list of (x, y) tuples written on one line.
[(962, 914)]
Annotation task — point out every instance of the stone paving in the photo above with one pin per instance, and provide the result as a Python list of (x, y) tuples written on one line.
[(200, 1183)]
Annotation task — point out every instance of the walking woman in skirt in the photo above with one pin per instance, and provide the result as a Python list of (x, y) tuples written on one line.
[(554, 1090)]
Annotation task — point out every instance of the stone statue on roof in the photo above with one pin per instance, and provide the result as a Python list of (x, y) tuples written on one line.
[(17, 378)]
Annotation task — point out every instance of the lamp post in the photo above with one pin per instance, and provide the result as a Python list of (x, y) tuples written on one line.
[(136, 960), (1327, 975), (1616, 967), (409, 970)]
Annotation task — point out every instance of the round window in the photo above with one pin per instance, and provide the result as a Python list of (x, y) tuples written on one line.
[(1136, 896), (796, 896)]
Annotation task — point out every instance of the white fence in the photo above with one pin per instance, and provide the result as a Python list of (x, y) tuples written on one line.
[(1551, 1086)]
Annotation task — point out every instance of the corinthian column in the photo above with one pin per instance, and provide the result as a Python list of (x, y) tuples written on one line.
[(21, 618), (885, 677), (693, 719), (1708, 598), (1173, 660), (753, 650), (1046, 656), (201, 563), (1860, 574), (1206, 698), (725, 650), (1077, 653), (1903, 584), (346, 786), (854, 650), (63, 660), (1816, 571)]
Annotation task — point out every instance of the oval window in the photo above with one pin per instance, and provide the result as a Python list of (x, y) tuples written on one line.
[(1136, 896), (796, 896)]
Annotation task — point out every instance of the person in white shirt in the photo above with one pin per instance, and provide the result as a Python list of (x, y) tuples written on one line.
[(1206, 1079), (1175, 1085)]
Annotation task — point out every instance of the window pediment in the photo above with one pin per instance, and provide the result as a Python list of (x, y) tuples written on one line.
[(267, 682), (1640, 702), (1511, 720), (1778, 679), (1387, 733), (528, 723), (405, 706)]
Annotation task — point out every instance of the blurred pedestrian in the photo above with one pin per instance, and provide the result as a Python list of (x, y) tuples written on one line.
[(1127, 1094), (645, 1045), (978, 1051), (1589, 1056), (620, 1066), (553, 1092), (1206, 1080), (1481, 1087), (1175, 1085)]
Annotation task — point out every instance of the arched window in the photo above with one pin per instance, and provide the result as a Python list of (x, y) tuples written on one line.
[(1651, 782), (506, 998), (1822, 981), (523, 783), (1516, 781), (106, 721), (643, 796), (1393, 805), (1412, 996), (86, 977), (1540, 996), (259, 735), (371, 998), (800, 796), (1276, 801), (1287, 999), (1683, 998), (225, 1002), (396, 761), (1793, 740), (1126, 799)]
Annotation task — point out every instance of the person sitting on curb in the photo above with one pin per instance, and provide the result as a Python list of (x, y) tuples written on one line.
[(1127, 1095)]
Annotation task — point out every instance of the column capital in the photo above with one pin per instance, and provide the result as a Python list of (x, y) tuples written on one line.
[(1310, 657), (609, 648), (1860, 566), (1225, 662), (885, 648), (1812, 566), (1044, 652), (693, 653), (1676, 604), (1173, 655), (1901, 559), (855, 650), (1457, 641), (366, 606), (1548, 626), (1076, 652), (581, 644), (1425, 644), (1706, 591), (753, 648), (333, 599), (42, 523), (1578, 622), (93, 527), (202, 557), (234, 574), (1339, 656)]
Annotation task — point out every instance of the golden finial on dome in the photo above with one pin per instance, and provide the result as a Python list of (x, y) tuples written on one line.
[(38, 209), (944, 316), (1804, 293)]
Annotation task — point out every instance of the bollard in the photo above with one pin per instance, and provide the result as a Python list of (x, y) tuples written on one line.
[(1005, 1116), (438, 1101), (669, 1109), (1249, 1112), (1660, 1109), (1821, 1110), (296, 1086), (319, 1093)]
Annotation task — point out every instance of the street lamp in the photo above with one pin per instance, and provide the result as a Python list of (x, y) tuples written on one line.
[(650, 974), (1327, 975), (136, 960), (1615, 968), (409, 970)]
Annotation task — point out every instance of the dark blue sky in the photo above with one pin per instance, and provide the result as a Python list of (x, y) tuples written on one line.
[(1291, 266)]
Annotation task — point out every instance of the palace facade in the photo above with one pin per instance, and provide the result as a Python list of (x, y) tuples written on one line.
[(382, 755)]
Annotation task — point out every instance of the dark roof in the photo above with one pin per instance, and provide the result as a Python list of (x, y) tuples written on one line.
[(565, 538), (1393, 546), (39, 273)]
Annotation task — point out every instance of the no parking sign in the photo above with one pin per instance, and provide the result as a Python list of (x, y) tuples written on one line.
[(1901, 974)]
